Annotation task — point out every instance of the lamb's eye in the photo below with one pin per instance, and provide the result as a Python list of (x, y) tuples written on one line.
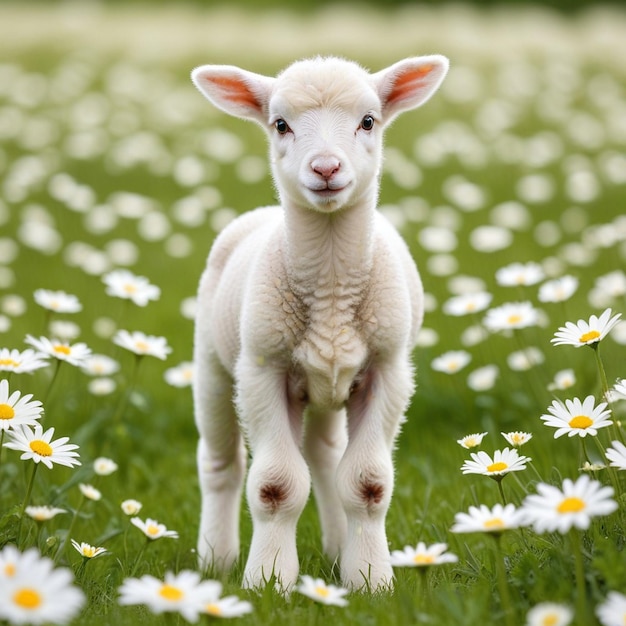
[(367, 123), (281, 126)]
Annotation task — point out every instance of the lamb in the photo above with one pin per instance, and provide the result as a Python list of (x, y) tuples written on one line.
[(307, 316)]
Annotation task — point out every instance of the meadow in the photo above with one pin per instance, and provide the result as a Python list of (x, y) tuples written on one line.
[(110, 160)]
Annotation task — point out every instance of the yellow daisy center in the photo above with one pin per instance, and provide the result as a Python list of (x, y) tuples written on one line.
[(517, 439), (40, 447), (171, 593), (27, 598), (60, 349), (152, 530), (9, 363), (514, 319), (213, 609), (9, 569), (497, 467), (322, 591), (589, 336), (142, 346), (550, 620), (470, 307), (580, 421), (6, 412), (494, 522), (571, 505), (88, 551), (128, 288), (423, 559)]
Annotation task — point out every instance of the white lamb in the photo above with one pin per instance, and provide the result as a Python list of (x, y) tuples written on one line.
[(307, 316)]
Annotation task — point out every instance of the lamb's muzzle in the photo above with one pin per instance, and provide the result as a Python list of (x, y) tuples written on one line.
[(307, 316)]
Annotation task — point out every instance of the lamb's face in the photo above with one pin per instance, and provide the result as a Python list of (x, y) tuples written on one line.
[(325, 126)]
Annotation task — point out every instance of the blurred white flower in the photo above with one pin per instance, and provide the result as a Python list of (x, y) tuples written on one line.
[(558, 289), (181, 375), (423, 555), (74, 354), (103, 466), (467, 303), (486, 520), (511, 315), (318, 590), (518, 274), (131, 507), (126, 285), (563, 379), (483, 378), (451, 362), (142, 344), (549, 614), (612, 612), (57, 301)]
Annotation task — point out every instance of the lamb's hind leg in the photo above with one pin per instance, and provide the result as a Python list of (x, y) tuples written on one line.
[(221, 464)]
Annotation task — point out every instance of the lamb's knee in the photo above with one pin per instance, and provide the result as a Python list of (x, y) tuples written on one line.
[(272, 494), (368, 493)]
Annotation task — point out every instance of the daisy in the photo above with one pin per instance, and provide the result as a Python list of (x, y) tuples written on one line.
[(558, 290), (153, 529), (64, 330), (549, 614), (182, 593), (503, 462), (467, 303), (612, 612), (486, 520), (517, 438), (101, 386), (87, 551), (131, 507), (17, 410), (525, 359), (104, 467), (553, 509), (563, 379), (21, 362), (181, 375), (100, 365), (518, 274), (620, 388), (57, 301), (142, 344), (124, 284), (90, 492), (617, 455), (471, 441), (451, 362), (318, 590), (61, 350), (576, 417), (585, 333), (229, 606), (422, 556), (33, 592), (43, 513), (510, 316), (38, 446), (483, 378)]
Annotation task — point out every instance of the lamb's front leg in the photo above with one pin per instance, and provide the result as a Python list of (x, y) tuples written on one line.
[(365, 474), (278, 481)]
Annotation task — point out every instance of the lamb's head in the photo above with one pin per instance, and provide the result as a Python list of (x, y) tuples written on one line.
[(325, 119)]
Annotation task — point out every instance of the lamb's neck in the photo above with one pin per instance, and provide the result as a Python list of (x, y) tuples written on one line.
[(326, 249)]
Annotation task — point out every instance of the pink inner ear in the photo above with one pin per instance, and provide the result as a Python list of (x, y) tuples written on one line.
[(409, 82), (234, 90)]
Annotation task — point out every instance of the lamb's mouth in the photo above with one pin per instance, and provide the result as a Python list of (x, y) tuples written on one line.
[(328, 191)]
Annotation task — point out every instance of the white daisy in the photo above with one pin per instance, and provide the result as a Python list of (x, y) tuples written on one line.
[(612, 612), (88, 551), (620, 388), (482, 519), (38, 446), (104, 467), (33, 592), (577, 418), (90, 492), (17, 410), (553, 509), (182, 593), (558, 289), (617, 455), (43, 513), (64, 330), (100, 365), (131, 507), (20, 362), (503, 462), (57, 301), (525, 359), (584, 333), (318, 590), (451, 362), (510, 316), (422, 555), (549, 614), (101, 386), (227, 607), (471, 441), (517, 274), (517, 438), (124, 284), (181, 375), (142, 344), (563, 379), (74, 354), (483, 378), (467, 303), (153, 529)]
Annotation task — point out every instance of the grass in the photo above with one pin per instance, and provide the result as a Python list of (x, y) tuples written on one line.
[(95, 121)]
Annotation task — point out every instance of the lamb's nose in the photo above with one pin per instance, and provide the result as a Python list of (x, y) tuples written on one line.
[(326, 167)]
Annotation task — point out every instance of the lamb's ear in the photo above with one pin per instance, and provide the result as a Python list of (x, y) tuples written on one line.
[(409, 83), (235, 91)]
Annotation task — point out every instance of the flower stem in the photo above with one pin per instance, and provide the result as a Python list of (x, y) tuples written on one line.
[(581, 594), (500, 489), (503, 587), (69, 530), (29, 491), (55, 375), (139, 557)]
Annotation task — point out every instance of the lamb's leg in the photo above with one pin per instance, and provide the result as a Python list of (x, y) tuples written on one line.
[(221, 464), (278, 481), (324, 445), (365, 474)]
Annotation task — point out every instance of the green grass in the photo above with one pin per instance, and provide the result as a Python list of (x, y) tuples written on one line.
[(122, 95)]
